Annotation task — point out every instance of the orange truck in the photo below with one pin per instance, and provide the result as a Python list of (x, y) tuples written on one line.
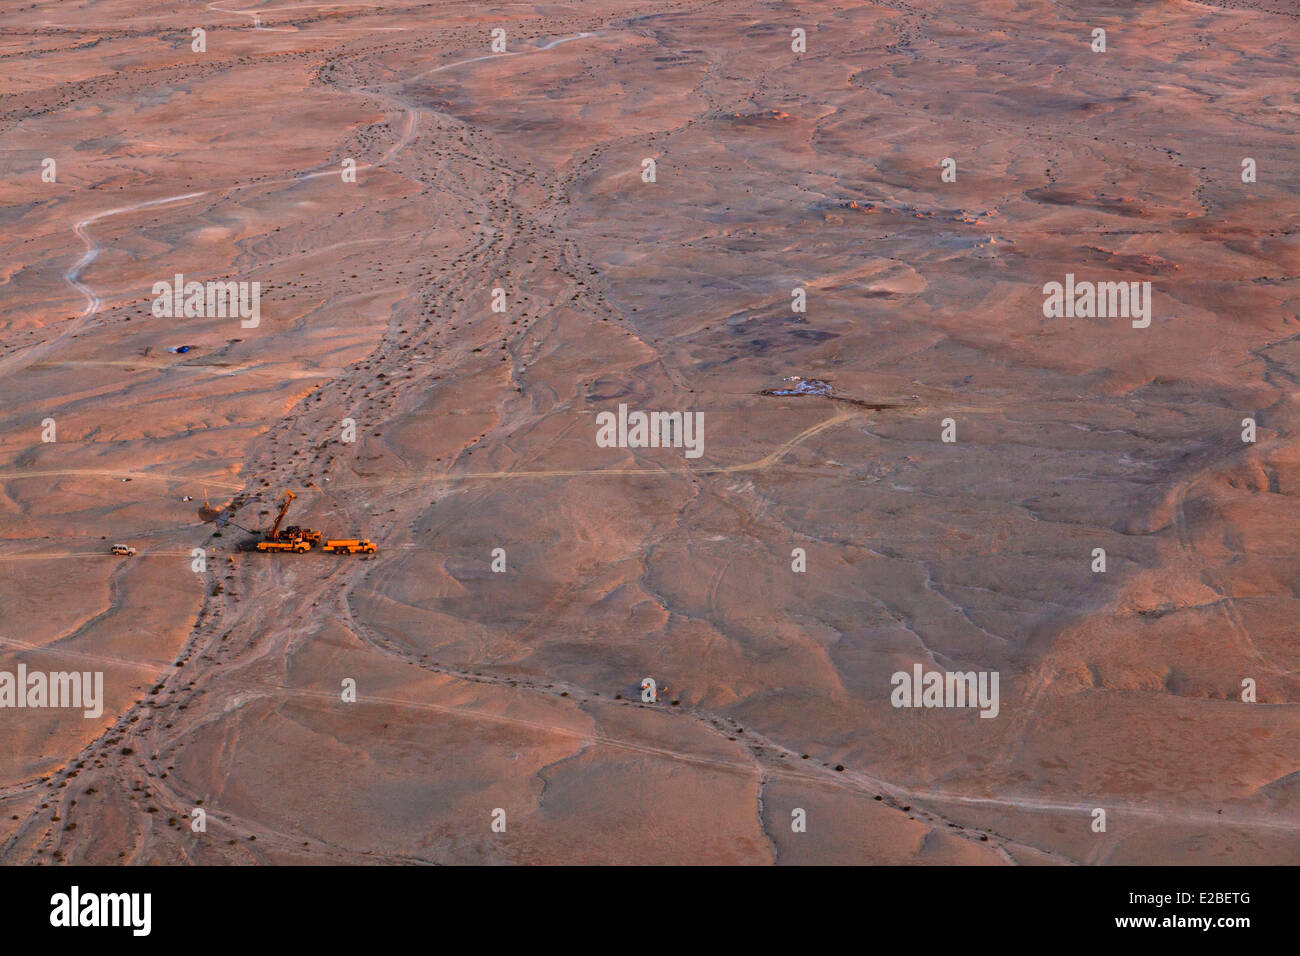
[(350, 546), (297, 545)]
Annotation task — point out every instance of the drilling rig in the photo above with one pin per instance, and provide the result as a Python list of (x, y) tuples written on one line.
[(293, 538)]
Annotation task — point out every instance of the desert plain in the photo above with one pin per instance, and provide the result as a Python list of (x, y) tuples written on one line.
[(468, 246)]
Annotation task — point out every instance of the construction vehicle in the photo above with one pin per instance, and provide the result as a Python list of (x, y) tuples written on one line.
[(292, 538), (124, 549), (350, 546), (298, 546)]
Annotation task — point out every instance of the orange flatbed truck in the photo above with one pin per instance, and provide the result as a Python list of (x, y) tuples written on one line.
[(298, 545), (350, 546)]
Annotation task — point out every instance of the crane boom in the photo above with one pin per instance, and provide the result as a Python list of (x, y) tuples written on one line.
[(284, 509)]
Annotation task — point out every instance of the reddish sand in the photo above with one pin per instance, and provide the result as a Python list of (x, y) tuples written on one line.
[(476, 430)]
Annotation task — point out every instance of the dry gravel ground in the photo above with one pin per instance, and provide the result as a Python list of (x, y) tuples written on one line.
[(475, 430)]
